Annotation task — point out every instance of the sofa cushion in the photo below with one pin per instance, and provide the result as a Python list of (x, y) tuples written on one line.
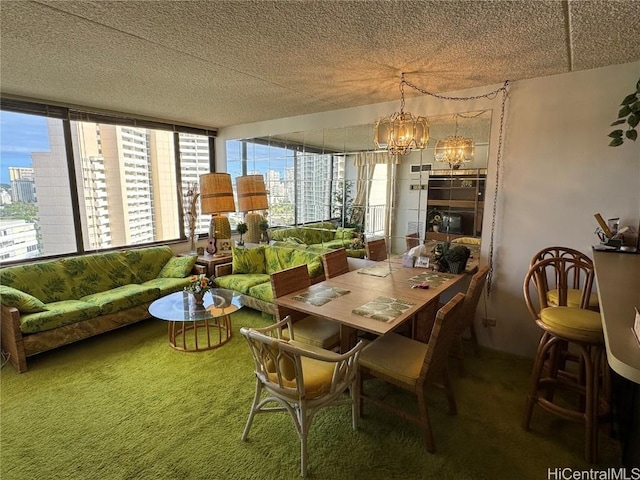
[(147, 262), (167, 285), (22, 301), (248, 260), (121, 298), (178, 267), (279, 258), (344, 233), (241, 282), (263, 292), (58, 314), (69, 278)]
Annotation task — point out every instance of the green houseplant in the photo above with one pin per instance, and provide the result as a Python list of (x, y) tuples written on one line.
[(264, 226), (629, 114), (456, 258), (241, 229)]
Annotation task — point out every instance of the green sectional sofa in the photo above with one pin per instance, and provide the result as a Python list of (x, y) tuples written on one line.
[(250, 270), (322, 235), (51, 303)]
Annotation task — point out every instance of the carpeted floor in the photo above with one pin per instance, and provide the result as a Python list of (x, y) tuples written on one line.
[(125, 405)]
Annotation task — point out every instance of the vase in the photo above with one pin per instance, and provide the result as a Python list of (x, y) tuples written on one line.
[(456, 267), (436, 228), (198, 298), (192, 243)]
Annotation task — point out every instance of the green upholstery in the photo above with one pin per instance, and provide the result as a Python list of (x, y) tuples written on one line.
[(147, 262), (121, 298), (310, 331), (24, 302), (178, 267), (344, 233), (59, 292), (58, 314), (576, 321), (248, 260), (266, 260), (241, 282), (279, 258), (262, 292), (167, 285)]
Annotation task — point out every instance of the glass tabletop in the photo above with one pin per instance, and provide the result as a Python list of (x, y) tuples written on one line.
[(181, 306)]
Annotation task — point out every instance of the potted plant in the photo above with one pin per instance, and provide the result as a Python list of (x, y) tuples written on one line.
[(241, 229), (435, 220), (264, 226), (456, 258)]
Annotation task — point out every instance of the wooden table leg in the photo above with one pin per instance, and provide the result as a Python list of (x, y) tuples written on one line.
[(348, 338)]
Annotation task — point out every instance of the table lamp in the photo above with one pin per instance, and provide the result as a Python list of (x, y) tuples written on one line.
[(252, 196), (216, 197)]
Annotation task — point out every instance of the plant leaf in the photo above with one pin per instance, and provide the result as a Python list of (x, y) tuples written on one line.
[(635, 108), (616, 142), (624, 111), (634, 119), (616, 134), (629, 99), (632, 134), (618, 122)]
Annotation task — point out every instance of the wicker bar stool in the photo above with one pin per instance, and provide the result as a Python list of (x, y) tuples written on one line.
[(573, 326)]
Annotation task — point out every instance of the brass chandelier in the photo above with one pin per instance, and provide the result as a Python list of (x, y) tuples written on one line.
[(401, 133), (455, 150)]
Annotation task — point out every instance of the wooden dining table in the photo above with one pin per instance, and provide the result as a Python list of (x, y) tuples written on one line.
[(365, 286)]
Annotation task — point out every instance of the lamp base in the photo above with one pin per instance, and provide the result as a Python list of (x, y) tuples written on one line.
[(220, 227), (253, 234)]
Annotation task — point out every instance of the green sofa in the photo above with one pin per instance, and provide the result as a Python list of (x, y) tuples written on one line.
[(51, 303), (250, 270), (324, 236)]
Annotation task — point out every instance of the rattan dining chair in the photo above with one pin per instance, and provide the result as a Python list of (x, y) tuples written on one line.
[(412, 365), (308, 329), (471, 299), (563, 325), (299, 379), (376, 250), (335, 263)]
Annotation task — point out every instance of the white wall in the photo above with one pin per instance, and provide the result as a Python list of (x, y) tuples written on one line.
[(556, 172)]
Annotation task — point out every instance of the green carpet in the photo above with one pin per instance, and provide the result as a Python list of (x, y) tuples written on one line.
[(124, 405)]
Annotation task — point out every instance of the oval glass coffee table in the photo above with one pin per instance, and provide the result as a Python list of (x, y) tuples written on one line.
[(196, 328)]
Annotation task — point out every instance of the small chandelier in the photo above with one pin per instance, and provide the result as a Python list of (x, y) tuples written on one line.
[(455, 150), (401, 133)]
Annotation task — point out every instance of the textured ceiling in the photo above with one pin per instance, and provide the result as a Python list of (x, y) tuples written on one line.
[(222, 63)]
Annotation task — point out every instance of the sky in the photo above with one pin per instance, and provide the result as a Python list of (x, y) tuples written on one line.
[(20, 135)]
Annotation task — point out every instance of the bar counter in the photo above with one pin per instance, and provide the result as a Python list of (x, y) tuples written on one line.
[(618, 277)]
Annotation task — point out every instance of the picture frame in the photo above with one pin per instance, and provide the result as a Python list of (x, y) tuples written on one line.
[(224, 245), (422, 262)]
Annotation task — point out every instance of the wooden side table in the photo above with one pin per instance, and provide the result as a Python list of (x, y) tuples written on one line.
[(210, 261)]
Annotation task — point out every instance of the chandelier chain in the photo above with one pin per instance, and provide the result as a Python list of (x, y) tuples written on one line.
[(490, 95), (495, 192)]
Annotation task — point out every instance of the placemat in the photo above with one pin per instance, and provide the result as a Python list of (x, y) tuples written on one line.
[(377, 270), (321, 295), (434, 279), (384, 309)]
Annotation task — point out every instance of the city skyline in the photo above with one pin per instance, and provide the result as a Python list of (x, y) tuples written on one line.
[(20, 136)]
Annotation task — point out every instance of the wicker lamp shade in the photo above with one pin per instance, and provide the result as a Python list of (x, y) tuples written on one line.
[(216, 197), (252, 195)]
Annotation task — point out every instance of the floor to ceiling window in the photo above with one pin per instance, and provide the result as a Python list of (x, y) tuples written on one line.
[(74, 185)]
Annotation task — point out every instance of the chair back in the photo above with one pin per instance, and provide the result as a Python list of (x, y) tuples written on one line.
[(442, 334), (279, 364), (376, 250), (335, 263), (559, 252), (472, 298), (285, 282), (413, 240), (561, 274)]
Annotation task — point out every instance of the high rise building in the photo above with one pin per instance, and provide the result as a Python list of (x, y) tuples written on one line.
[(22, 185)]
